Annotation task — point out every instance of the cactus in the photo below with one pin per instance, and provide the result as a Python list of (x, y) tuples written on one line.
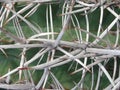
[(76, 38)]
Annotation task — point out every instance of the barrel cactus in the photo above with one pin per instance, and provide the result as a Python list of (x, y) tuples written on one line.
[(59, 44)]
